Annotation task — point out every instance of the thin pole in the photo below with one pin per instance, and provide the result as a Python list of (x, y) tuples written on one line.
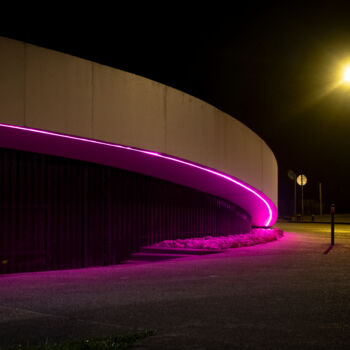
[(332, 223), (295, 197), (320, 187), (302, 197)]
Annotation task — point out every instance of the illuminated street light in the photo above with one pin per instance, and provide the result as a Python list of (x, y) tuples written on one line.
[(346, 75)]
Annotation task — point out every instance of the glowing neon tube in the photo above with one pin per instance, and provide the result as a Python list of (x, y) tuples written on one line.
[(261, 209)]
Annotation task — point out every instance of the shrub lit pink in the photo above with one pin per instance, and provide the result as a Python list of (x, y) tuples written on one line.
[(256, 236)]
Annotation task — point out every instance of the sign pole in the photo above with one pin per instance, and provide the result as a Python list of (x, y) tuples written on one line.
[(292, 175), (295, 197), (320, 187), (332, 223), (302, 197), (301, 181)]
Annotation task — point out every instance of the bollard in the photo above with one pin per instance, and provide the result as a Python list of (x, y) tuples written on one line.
[(332, 223)]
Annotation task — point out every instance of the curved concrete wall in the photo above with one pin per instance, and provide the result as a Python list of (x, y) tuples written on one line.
[(45, 89)]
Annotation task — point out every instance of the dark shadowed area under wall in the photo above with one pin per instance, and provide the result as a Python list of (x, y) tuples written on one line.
[(59, 213)]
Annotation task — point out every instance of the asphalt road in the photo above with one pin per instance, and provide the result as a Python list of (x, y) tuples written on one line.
[(281, 295)]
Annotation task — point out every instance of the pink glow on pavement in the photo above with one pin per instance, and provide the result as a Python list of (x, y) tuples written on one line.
[(266, 219)]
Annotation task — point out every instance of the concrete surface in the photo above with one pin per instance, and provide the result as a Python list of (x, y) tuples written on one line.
[(286, 294), (58, 92), (128, 109), (325, 218), (49, 90), (12, 82)]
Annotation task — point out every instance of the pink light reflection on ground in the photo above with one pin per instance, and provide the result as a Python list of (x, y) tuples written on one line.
[(271, 211)]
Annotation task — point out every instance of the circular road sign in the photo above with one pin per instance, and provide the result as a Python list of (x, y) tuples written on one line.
[(291, 174), (301, 180)]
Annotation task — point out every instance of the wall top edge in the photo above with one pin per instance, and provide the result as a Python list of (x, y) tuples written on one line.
[(161, 85)]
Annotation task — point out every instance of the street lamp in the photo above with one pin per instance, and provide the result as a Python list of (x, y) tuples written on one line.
[(346, 74)]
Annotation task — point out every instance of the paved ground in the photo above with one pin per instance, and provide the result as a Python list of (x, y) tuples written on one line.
[(281, 295), (325, 218)]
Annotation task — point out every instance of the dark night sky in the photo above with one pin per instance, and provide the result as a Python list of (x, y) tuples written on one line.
[(269, 67)]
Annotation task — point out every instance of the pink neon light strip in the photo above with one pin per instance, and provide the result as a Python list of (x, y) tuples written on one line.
[(155, 154)]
